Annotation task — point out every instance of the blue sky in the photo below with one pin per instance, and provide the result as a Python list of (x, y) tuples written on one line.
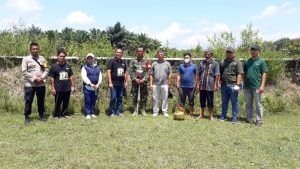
[(183, 24)]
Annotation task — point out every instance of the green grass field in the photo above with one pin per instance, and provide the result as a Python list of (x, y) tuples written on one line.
[(148, 142)]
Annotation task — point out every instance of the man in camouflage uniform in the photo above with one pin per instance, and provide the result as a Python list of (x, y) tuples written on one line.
[(139, 76)]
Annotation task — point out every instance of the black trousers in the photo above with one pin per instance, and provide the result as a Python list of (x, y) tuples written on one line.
[(186, 92), (206, 96), (29, 93), (61, 97)]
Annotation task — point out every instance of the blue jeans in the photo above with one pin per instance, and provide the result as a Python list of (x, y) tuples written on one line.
[(228, 93), (90, 98), (115, 104)]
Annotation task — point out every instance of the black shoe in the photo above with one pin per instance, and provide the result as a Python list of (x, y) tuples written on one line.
[(259, 124), (27, 120), (248, 121), (42, 118)]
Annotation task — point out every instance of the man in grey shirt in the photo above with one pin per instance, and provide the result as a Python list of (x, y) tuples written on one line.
[(160, 83)]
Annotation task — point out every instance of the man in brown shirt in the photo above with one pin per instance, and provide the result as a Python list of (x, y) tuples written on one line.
[(34, 73)]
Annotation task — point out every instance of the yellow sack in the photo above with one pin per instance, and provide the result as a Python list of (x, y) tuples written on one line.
[(179, 114)]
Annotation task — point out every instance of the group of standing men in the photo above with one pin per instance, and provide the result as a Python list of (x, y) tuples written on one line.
[(207, 78)]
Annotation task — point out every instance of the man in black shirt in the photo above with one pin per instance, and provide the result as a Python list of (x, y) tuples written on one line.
[(117, 81), (62, 83)]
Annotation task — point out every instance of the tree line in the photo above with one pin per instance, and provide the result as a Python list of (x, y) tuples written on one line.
[(15, 41)]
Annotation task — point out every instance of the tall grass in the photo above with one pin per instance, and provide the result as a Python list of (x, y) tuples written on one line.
[(280, 97)]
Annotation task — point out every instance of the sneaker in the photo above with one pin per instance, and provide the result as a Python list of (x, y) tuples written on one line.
[(88, 117), (259, 124), (248, 121), (222, 119), (144, 113), (166, 115), (155, 114), (93, 116), (234, 121), (135, 113), (120, 115), (42, 118), (55, 118), (27, 120), (112, 115), (67, 117)]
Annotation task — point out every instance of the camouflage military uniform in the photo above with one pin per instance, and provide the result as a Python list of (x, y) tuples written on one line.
[(137, 70)]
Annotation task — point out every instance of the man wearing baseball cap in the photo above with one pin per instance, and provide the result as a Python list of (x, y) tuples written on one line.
[(92, 78), (255, 70), (231, 73)]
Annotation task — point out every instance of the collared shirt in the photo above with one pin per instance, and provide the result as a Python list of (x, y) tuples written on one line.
[(253, 72), (31, 70), (118, 68), (208, 70), (229, 70), (137, 69), (160, 72), (187, 74)]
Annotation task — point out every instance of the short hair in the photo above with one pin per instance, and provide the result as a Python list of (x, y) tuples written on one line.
[(61, 50), (189, 54), (160, 51), (118, 49), (33, 44), (140, 47), (208, 50)]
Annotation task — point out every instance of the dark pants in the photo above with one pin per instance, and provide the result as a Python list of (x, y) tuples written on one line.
[(186, 92), (90, 98), (115, 104), (206, 96), (29, 93), (61, 97), (143, 94)]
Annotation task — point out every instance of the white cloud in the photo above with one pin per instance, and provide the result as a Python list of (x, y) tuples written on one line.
[(285, 5), (215, 28), (142, 29), (272, 10), (24, 6), (7, 23), (193, 40), (171, 32), (80, 18), (220, 27), (269, 11), (278, 35), (184, 38)]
